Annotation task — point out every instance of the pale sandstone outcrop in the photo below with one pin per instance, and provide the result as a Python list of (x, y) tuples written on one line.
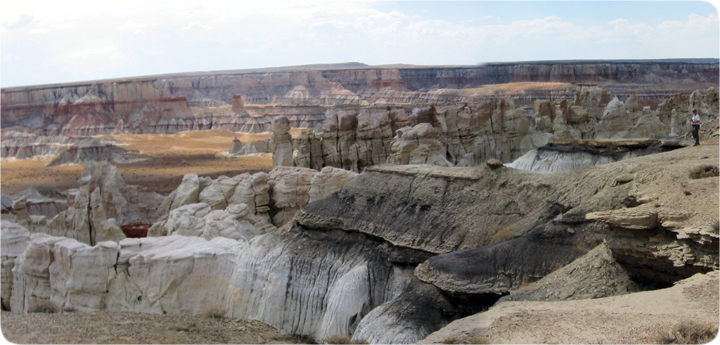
[(236, 222), (328, 181), (31, 274), (178, 274), (36, 202), (281, 193), (615, 121), (289, 191), (258, 146), (648, 125), (15, 239), (282, 143), (418, 145), (451, 134), (89, 150), (103, 209), (480, 231), (467, 134), (560, 155)]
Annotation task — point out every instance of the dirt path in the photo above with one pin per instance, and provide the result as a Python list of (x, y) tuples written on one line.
[(633, 318), (113, 327)]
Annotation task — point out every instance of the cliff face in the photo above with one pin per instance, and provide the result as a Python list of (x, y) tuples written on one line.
[(468, 134), (441, 243), (211, 100)]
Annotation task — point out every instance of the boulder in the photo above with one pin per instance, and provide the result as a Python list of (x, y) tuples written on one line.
[(594, 275), (328, 181)]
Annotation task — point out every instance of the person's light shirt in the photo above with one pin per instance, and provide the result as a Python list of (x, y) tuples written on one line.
[(695, 119)]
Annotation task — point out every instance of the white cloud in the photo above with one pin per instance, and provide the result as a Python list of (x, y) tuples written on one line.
[(22, 21), (132, 25), (698, 21), (197, 26), (107, 55), (670, 24), (65, 25)]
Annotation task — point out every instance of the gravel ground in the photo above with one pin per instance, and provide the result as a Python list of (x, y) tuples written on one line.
[(637, 318), (113, 327)]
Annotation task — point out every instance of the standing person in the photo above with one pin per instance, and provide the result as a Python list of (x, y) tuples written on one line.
[(695, 121)]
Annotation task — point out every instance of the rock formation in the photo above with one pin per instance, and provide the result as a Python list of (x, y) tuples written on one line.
[(40, 201), (271, 199), (89, 150), (468, 134), (639, 318), (398, 251), (282, 143), (171, 103), (15, 239), (594, 275), (560, 155), (258, 146), (105, 208), (343, 244), (235, 222)]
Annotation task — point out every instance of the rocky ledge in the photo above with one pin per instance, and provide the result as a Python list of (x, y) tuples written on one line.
[(398, 251)]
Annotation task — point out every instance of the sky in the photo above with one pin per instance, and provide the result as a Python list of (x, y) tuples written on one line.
[(45, 42)]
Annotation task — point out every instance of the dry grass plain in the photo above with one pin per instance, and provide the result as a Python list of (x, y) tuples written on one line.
[(166, 158)]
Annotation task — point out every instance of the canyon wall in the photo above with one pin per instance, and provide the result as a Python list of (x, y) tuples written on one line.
[(170, 103), (468, 134)]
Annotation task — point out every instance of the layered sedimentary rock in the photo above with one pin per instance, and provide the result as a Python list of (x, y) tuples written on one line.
[(468, 134), (559, 155), (639, 318), (167, 104), (24, 145), (104, 208), (281, 143), (15, 239), (236, 222), (37, 201), (400, 251), (259, 202), (451, 134), (89, 150), (258, 146), (594, 275)]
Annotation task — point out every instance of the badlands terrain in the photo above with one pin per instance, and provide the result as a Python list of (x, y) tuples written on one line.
[(539, 202)]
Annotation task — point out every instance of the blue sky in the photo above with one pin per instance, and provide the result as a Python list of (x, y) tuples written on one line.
[(45, 42)]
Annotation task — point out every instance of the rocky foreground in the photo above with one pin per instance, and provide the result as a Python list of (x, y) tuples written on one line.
[(116, 327), (390, 256), (639, 318)]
